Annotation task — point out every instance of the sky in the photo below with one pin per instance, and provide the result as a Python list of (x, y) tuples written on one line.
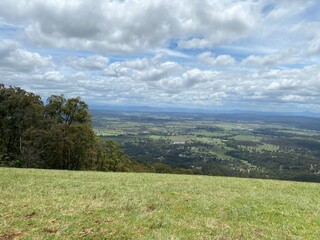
[(261, 55)]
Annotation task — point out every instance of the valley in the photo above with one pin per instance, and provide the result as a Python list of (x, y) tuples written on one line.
[(243, 145)]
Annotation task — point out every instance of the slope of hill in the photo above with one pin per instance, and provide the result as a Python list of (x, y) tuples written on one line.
[(48, 204)]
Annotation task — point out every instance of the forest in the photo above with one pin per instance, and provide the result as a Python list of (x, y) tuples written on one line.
[(54, 135)]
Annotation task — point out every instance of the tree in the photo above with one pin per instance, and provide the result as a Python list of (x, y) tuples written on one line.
[(54, 108), (162, 168), (111, 158), (58, 135), (67, 111), (69, 147), (32, 148), (76, 111), (19, 110)]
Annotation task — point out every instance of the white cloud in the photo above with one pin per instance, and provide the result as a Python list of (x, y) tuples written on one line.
[(314, 46), (53, 76), (14, 58), (108, 25), (264, 53), (137, 64), (168, 82), (294, 98), (146, 70), (95, 62), (221, 60), (279, 58)]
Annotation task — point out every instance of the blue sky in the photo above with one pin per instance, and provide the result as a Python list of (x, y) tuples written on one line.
[(220, 54)]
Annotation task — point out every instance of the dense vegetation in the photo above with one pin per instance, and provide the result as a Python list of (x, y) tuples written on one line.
[(43, 204), (277, 147), (55, 135)]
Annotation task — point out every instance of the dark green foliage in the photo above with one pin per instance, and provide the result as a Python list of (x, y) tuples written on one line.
[(19, 110), (68, 111), (69, 147), (58, 135), (111, 158), (162, 168), (54, 108)]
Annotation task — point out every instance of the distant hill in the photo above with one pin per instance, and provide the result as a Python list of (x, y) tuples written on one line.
[(134, 108), (51, 204)]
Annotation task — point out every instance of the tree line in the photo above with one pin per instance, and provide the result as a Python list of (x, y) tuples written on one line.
[(55, 135)]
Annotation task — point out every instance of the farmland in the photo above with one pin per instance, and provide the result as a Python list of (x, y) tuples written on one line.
[(249, 145)]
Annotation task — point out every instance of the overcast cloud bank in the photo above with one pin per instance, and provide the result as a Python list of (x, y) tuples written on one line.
[(259, 55)]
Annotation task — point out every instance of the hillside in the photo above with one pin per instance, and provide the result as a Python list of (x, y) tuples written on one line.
[(53, 204)]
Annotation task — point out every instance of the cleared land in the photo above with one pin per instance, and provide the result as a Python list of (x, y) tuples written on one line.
[(42, 204), (246, 145)]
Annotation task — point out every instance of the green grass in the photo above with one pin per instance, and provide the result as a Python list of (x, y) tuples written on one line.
[(267, 147), (108, 133), (247, 138), (180, 138), (43, 204)]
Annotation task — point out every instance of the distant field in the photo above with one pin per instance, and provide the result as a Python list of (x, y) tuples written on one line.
[(273, 147), (42, 204)]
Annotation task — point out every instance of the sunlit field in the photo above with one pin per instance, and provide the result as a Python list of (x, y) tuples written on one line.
[(50, 204)]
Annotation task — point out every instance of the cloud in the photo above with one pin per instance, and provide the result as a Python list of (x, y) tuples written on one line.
[(54, 76), (314, 46), (218, 22), (145, 70), (294, 98), (14, 58), (143, 81), (109, 26), (236, 54), (95, 62), (279, 58), (221, 60)]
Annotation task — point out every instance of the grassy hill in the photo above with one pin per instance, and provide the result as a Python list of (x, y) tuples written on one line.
[(47, 204)]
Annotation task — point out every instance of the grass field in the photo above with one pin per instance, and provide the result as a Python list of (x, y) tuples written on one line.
[(43, 204)]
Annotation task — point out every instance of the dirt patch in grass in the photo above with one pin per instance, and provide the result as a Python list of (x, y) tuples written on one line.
[(30, 215), (50, 230), (12, 235), (85, 231), (139, 228)]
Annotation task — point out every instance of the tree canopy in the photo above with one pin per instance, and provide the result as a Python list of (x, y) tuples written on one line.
[(55, 135), (67, 111)]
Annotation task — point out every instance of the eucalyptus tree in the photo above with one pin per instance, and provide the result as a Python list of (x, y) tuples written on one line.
[(19, 110)]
